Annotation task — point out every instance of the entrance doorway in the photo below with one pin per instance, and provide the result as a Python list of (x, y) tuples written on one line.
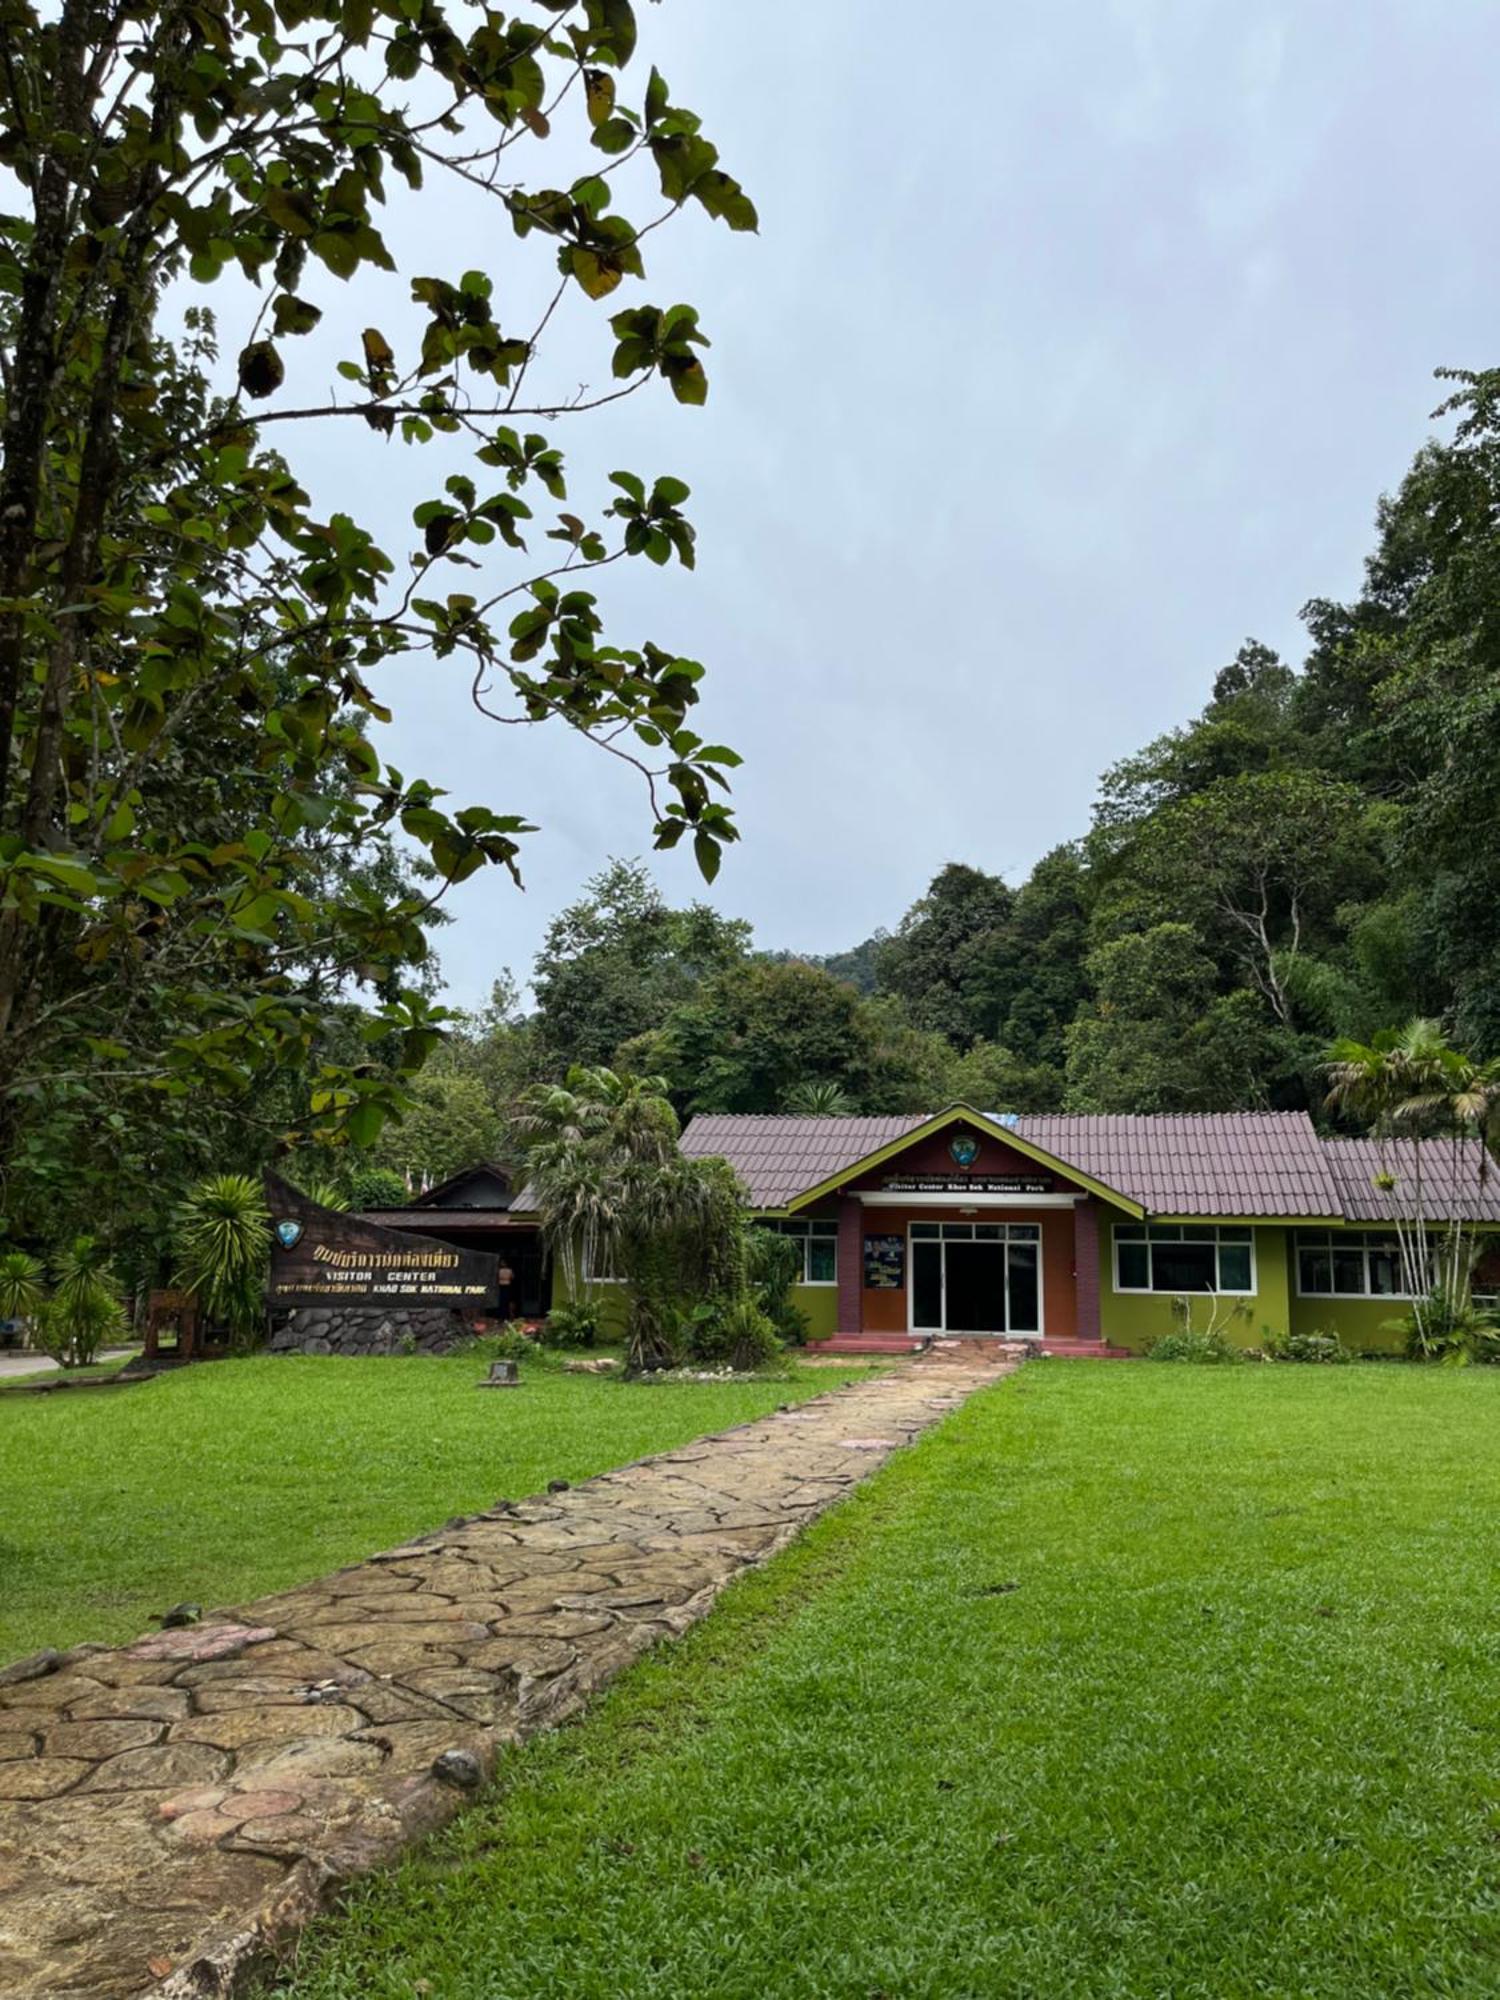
[(976, 1277)]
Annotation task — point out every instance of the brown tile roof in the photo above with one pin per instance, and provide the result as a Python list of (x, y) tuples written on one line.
[(1451, 1185), (779, 1157), (1219, 1163), (1229, 1163), (1210, 1163)]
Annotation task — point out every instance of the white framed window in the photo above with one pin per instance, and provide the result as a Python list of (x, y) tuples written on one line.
[(820, 1247), (1349, 1264), (599, 1269), (1181, 1257)]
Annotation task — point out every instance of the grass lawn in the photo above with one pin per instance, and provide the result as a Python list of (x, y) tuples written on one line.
[(1168, 1683), (239, 1477)]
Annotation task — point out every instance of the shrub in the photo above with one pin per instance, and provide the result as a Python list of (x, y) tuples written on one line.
[(571, 1326), (377, 1187), (1450, 1330), (84, 1312), (753, 1339), (1323, 1347), (730, 1331), (511, 1343), (773, 1265), (1203, 1348)]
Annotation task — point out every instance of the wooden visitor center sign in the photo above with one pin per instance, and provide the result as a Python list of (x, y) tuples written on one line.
[(322, 1257)]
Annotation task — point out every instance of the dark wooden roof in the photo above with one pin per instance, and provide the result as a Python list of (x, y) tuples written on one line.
[(450, 1193)]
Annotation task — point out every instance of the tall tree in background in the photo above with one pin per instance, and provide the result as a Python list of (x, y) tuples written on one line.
[(168, 591), (758, 1033), (947, 961), (1259, 864), (1402, 694), (615, 963)]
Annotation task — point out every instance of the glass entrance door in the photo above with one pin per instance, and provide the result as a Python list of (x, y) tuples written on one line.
[(976, 1277)]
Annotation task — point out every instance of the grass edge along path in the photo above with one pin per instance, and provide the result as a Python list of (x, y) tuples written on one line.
[(1124, 1682), (235, 1478)]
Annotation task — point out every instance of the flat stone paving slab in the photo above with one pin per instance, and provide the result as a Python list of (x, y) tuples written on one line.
[(173, 1809)]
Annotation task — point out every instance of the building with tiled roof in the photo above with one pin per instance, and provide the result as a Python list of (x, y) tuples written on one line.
[(1082, 1231)]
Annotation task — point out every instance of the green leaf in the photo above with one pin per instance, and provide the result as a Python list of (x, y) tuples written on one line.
[(599, 95), (707, 854), (725, 199), (293, 315), (364, 1122), (597, 276), (689, 383)]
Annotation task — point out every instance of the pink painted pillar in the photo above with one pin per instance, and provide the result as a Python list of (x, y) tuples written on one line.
[(1086, 1269), (851, 1264)]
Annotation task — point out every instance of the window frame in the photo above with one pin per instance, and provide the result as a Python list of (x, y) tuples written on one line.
[(1327, 1242), (1235, 1236), (807, 1230), (589, 1276)]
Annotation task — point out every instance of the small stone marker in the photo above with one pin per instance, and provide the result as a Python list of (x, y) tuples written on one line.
[(502, 1375)]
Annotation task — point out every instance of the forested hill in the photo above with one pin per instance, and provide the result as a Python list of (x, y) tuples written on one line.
[(1317, 853)]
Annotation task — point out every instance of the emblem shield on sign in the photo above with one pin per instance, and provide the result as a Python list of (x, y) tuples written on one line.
[(288, 1233)]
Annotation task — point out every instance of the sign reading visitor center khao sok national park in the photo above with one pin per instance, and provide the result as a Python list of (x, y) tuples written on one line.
[(968, 1184), (321, 1256)]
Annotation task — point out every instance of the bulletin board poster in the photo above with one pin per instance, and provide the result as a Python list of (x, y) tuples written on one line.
[(885, 1263)]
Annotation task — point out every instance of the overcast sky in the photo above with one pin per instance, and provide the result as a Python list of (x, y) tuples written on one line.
[(1077, 343)]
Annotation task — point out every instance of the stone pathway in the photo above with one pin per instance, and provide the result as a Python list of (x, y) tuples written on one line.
[(172, 1809)]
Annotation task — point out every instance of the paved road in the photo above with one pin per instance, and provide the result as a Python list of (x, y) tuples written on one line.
[(168, 1807), (15, 1361)]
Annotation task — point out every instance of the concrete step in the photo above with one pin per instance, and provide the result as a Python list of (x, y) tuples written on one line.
[(869, 1343), (1082, 1350), (913, 1343)]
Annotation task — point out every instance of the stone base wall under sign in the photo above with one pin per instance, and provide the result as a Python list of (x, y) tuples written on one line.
[(370, 1330)]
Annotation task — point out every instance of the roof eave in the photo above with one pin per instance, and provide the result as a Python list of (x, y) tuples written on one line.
[(1003, 1133)]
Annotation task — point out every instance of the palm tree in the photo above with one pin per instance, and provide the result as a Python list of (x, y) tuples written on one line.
[(819, 1097), (1410, 1082), (609, 1183), (23, 1289), (84, 1311), (224, 1250), (589, 1143)]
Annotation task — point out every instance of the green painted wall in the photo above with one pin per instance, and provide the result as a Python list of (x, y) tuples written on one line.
[(608, 1300), (1357, 1322), (1135, 1319), (821, 1304)]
